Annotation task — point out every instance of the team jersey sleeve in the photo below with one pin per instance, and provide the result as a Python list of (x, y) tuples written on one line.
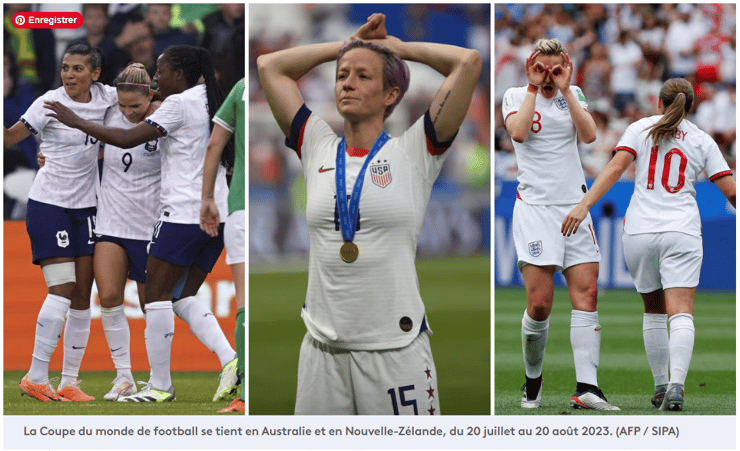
[(35, 117), (110, 95), (629, 140), (715, 164), (421, 146), (511, 103), (168, 117), (226, 115), (580, 96), (308, 132)]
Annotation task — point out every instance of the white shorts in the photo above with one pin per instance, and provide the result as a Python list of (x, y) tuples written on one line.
[(235, 237), (663, 260), (539, 242), (334, 381)]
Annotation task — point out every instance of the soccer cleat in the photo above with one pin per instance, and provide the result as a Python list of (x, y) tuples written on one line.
[(592, 399), (529, 403), (236, 405), (43, 392), (673, 399), (659, 395), (73, 392), (122, 386), (150, 394), (228, 381)]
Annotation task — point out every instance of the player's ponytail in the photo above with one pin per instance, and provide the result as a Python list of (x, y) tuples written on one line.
[(134, 78), (677, 96)]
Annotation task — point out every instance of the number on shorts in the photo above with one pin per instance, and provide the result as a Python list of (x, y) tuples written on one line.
[(667, 169), (90, 228), (404, 402), (127, 161), (537, 121), (90, 139)]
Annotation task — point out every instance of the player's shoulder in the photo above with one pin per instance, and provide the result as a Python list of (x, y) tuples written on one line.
[(515, 90)]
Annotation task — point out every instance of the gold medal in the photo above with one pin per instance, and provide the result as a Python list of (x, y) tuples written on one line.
[(349, 252)]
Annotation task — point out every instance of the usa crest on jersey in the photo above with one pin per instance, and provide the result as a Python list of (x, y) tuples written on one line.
[(535, 248), (381, 174)]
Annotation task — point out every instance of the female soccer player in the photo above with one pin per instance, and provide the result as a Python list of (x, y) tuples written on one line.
[(229, 119), (545, 119), (178, 244), (662, 225), (367, 347), (60, 219)]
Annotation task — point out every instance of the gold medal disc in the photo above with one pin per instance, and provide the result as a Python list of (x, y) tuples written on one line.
[(349, 252)]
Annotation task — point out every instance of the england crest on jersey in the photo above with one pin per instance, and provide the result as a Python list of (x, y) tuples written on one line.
[(535, 248), (561, 103), (381, 174)]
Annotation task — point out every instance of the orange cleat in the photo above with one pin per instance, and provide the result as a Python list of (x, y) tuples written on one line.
[(236, 405), (43, 392), (72, 392)]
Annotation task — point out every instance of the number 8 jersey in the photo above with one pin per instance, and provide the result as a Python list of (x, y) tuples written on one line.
[(665, 199), (549, 168)]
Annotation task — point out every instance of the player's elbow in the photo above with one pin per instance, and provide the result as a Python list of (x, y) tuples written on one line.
[(472, 63), (588, 136), (519, 136)]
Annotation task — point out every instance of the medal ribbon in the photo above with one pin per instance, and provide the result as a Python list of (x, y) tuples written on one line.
[(348, 213)]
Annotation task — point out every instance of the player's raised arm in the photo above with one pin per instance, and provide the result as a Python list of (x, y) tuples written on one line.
[(462, 68), (17, 133), (584, 123), (280, 71), (519, 123)]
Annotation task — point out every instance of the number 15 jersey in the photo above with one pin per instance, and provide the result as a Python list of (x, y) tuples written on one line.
[(665, 199), (373, 303), (550, 171)]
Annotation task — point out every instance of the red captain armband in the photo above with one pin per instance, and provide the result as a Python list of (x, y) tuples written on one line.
[(532, 88)]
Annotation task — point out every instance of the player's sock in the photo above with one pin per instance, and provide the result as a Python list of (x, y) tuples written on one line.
[(655, 335), (160, 328), (49, 325), (585, 339), (681, 346), (534, 340), (76, 334), (205, 327), (118, 336), (239, 335)]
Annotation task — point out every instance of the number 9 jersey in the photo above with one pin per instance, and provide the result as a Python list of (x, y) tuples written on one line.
[(550, 171), (665, 199)]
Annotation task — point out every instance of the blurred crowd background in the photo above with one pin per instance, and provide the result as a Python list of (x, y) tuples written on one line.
[(125, 33), (622, 54), (458, 216)]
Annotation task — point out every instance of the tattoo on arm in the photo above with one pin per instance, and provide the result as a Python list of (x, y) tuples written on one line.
[(434, 121)]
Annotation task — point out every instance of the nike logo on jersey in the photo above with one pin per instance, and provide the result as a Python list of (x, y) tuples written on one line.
[(78, 347), (321, 169), (114, 350)]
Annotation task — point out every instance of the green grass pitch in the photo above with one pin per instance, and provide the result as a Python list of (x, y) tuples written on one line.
[(456, 293), (193, 394), (624, 374)]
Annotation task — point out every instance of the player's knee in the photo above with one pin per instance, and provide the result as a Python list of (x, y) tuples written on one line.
[(110, 299)]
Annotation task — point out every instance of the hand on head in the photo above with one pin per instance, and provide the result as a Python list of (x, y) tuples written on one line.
[(536, 71), (374, 28), (561, 73)]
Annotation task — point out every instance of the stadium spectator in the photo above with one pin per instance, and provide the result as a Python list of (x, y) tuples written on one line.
[(662, 224), (18, 96), (158, 17), (33, 50), (551, 178), (679, 42), (224, 38), (625, 56), (596, 74)]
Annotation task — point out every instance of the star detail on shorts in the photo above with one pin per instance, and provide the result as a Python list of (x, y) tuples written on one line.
[(431, 410), (431, 392), (429, 373)]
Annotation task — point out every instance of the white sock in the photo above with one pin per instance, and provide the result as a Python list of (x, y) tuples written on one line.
[(585, 339), (655, 335), (681, 346), (76, 334), (160, 328), (49, 325), (534, 340), (118, 336), (204, 325)]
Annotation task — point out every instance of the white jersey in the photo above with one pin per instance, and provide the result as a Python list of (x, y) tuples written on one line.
[(129, 203), (183, 121), (550, 171), (69, 177), (665, 199), (373, 303)]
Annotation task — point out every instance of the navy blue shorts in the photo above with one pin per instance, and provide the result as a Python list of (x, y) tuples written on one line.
[(58, 231), (136, 253), (186, 245)]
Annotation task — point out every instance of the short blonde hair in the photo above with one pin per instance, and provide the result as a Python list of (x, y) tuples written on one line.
[(549, 47)]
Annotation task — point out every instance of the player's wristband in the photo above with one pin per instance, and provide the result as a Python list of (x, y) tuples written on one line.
[(533, 88)]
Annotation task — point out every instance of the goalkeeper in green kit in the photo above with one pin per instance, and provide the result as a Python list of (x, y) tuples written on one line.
[(229, 119)]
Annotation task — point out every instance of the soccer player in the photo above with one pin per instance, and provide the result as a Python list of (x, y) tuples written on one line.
[(60, 219), (544, 120), (367, 347), (229, 119), (183, 122), (662, 228)]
